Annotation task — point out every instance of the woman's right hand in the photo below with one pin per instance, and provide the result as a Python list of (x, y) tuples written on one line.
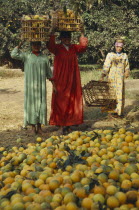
[(102, 78), (20, 44), (53, 30)]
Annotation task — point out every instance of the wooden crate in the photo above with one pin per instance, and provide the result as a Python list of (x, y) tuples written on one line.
[(66, 21), (35, 27), (99, 94)]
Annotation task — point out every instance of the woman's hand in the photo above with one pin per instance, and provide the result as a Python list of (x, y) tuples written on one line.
[(20, 44), (54, 87), (102, 77), (126, 74), (53, 30)]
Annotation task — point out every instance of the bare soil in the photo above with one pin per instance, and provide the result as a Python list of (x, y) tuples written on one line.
[(11, 111)]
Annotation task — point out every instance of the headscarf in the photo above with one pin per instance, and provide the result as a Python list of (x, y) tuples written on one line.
[(119, 43)]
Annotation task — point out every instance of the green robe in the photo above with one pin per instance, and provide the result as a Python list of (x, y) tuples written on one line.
[(37, 69)]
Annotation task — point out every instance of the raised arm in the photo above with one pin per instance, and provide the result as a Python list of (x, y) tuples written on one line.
[(51, 45), (83, 43), (17, 54)]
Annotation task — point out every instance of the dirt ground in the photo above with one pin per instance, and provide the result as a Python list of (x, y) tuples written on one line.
[(11, 112)]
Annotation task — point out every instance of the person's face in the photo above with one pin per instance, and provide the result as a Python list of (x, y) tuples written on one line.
[(36, 47), (66, 40), (118, 49)]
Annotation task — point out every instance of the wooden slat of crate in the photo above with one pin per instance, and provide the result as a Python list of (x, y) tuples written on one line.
[(35, 30), (99, 94), (66, 23)]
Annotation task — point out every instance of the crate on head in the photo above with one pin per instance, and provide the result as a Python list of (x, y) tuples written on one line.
[(68, 21), (99, 94), (35, 27)]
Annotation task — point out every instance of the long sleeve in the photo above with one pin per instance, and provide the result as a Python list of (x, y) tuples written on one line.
[(83, 43), (17, 54), (52, 45), (107, 64)]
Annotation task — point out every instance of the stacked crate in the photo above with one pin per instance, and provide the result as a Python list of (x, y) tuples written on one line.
[(35, 27), (67, 21)]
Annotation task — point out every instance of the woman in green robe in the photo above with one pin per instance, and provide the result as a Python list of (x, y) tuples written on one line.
[(36, 69)]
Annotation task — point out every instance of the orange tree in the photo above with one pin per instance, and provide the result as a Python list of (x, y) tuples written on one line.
[(104, 21)]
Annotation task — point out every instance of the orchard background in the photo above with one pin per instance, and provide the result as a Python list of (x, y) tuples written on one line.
[(104, 20), (95, 167)]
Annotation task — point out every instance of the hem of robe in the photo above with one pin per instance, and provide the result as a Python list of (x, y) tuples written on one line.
[(66, 124), (34, 123)]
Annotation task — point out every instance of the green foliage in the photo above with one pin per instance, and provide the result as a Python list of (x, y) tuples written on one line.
[(104, 21)]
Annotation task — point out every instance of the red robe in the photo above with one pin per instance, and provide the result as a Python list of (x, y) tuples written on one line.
[(67, 102)]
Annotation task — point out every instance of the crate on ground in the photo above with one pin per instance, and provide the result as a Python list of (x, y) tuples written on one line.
[(67, 21), (35, 27), (99, 94)]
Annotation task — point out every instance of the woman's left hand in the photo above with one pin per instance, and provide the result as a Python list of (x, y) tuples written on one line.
[(126, 74), (54, 88)]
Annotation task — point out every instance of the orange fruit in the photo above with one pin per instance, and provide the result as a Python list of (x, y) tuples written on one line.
[(112, 202), (114, 174), (71, 206), (132, 196), (87, 203), (129, 138), (80, 192), (69, 197), (111, 190), (53, 184), (121, 197), (99, 189)]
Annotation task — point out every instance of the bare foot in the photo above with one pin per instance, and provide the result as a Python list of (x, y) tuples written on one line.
[(60, 131), (32, 132), (41, 132)]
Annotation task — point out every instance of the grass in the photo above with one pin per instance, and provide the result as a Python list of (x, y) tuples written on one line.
[(9, 73), (86, 76), (92, 113)]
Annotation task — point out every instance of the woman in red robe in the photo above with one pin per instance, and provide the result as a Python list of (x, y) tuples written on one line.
[(67, 102)]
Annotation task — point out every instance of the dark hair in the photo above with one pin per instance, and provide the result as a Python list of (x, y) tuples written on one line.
[(65, 34), (37, 43)]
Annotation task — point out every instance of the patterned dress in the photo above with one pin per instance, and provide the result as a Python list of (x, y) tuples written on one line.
[(36, 69), (115, 67)]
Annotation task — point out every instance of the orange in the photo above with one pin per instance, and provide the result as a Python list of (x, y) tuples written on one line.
[(111, 190), (132, 196), (80, 192), (69, 197), (99, 189), (129, 138), (71, 206), (114, 174), (87, 203), (112, 202), (126, 184), (121, 197), (53, 184)]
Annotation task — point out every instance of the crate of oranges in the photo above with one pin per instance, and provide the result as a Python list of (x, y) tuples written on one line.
[(66, 21), (35, 27)]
